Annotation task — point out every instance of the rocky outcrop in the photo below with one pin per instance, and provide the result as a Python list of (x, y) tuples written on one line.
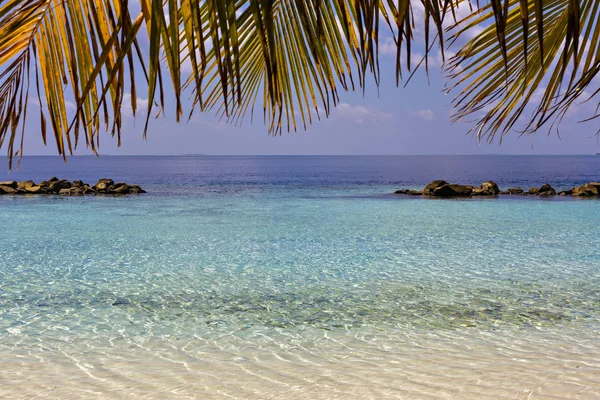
[(585, 190), (65, 188), (441, 188)]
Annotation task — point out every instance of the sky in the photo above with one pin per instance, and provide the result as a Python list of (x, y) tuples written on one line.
[(411, 120)]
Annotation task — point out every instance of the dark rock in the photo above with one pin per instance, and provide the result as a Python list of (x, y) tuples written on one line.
[(565, 192), (103, 185), (504, 192), (544, 190), (88, 190), (120, 188), (77, 183), (76, 191), (410, 192), (490, 187), (10, 184), (25, 184), (57, 186), (595, 184), (433, 185), (7, 190), (547, 190), (452, 191), (517, 190), (586, 190), (402, 191), (135, 189), (53, 179)]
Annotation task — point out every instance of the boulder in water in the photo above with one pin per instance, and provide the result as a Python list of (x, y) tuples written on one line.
[(433, 185), (449, 190)]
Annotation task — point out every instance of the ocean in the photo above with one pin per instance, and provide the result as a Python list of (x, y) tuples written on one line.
[(300, 277)]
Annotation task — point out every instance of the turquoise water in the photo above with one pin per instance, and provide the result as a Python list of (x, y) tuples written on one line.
[(221, 290)]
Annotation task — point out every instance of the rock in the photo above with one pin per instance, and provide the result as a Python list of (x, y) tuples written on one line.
[(34, 189), (565, 192), (433, 185), (88, 190), (53, 179), (410, 192), (65, 192), (504, 192), (135, 189), (490, 187), (452, 191), (517, 190), (7, 190), (76, 191), (10, 184), (596, 185), (25, 184), (402, 191), (120, 188), (77, 183), (57, 186), (544, 190), (103, 185), (586, 190)]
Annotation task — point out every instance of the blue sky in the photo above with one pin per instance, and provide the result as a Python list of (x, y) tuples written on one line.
[(411, 120)]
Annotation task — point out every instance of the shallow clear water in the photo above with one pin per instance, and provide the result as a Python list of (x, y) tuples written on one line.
[(300, 278)]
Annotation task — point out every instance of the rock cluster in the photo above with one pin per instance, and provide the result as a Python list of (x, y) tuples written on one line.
[(440, 188), (66, 188)]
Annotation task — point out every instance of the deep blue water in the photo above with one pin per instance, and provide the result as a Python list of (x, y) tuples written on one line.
[(363, 173)]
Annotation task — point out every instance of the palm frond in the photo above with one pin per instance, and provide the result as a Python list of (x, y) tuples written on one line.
[(528, 67), (296, 56)]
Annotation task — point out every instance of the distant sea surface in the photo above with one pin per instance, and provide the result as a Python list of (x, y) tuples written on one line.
[(300, 278)]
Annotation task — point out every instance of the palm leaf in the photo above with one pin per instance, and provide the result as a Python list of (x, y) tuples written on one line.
[(295, 56), (531, 77)]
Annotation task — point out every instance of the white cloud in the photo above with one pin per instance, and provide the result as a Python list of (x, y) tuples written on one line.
[(361, 114), (142, 105), (425, 115)]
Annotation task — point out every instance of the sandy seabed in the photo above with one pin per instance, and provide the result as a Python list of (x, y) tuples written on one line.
[(524, 364)]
